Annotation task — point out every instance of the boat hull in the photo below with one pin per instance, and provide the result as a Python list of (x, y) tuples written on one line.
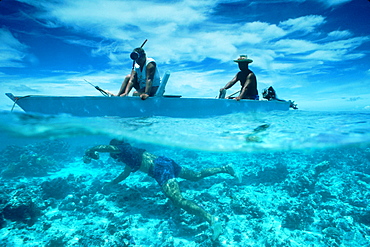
[(96, 106)]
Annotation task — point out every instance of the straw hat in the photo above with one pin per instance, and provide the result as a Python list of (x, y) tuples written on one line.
[(243, 58)]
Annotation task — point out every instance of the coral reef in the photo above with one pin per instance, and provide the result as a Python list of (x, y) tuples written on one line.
[(318, 198), (34, 160)]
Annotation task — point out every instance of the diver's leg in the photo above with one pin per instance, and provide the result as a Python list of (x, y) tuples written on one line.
[(195, 176), (138, 91), (172, 190)]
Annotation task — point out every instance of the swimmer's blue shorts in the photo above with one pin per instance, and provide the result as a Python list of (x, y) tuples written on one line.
[(164, 169)]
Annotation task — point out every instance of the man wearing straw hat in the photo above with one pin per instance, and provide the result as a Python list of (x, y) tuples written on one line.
[(247, 78)]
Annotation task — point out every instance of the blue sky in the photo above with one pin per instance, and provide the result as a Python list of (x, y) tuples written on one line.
[(315, 52)]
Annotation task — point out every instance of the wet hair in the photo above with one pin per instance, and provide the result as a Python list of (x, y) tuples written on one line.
[(116, 142)]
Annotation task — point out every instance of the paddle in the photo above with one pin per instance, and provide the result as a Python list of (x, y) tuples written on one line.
[(222, 94), (233, 94), (99, 89)]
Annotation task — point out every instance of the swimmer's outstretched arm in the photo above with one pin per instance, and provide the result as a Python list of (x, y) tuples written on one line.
[(92, 153), (122, 176), (102, 149)]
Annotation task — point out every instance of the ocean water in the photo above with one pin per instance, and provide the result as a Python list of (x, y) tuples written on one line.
[(305, 180)]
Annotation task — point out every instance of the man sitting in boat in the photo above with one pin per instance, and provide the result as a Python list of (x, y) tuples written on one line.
[(144, 76), (164, 171), (247, 79)]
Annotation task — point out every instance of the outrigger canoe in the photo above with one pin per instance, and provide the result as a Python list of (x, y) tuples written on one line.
[(131, 106)]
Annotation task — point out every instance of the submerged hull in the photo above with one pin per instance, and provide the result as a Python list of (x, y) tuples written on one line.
[(95, 106)]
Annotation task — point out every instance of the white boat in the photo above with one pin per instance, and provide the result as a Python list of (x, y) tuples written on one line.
[(131, 106)]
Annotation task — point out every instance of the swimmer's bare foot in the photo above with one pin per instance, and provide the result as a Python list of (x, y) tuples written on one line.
[(234, 172), (216, 228)]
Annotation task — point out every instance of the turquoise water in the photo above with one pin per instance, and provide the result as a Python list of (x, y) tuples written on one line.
[(281, 131), (306, 181)]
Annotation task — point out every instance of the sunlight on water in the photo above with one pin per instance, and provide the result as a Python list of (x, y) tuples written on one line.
[(252, 132)]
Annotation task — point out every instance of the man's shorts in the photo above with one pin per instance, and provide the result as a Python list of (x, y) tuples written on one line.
[(164, 169)]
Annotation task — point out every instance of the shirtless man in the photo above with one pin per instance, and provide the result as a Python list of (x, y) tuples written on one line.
[(247, 79), (164, 171), (144, 76)]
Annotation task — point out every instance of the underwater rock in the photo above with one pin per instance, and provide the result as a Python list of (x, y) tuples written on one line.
[(244, 206), (30, 164), (303, 182), (11, 154), (320, 168), (26, 213), (364, 217), (57, 149), (21, 208), (57, 241), (292, 220), (2, 221), (34, 160), (299, 216), (333, 236), (273, 174), (299, 184), (57, 188)]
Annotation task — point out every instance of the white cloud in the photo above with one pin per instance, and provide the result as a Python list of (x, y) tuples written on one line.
[(263, 30), (330, 3), (347, 44), (294, 46), (306, 24), (117, 19), (182, 31), (327, 3), (339, 50), (339, 34), (130, 22), (12, 52), (327, 55)]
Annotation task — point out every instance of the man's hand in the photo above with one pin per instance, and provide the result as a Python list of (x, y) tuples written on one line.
[(144, 96), (109, 93), (92, 154), (86, 159)]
